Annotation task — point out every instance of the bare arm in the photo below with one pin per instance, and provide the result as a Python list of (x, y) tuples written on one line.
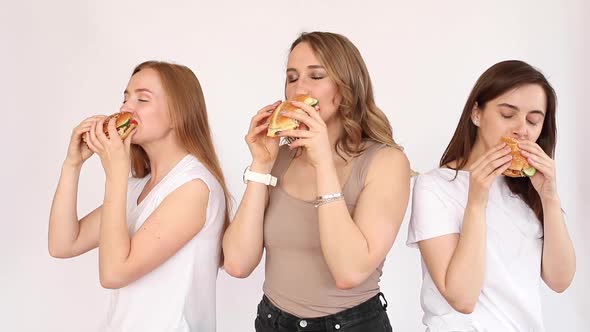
[(355, 245), (558, 264), (68, 236), (124, 259), (243, 241), (456, 262), (559, 259)]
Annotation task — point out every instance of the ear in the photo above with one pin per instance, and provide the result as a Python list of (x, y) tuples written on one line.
[(475, 114)]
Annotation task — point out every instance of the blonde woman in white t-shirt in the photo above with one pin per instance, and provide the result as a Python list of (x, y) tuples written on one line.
[(158, 232), (487, 240)]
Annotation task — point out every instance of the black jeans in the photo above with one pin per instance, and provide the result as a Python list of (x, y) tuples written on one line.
[(366, 317)]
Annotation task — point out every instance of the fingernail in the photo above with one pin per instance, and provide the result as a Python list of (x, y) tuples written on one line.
[(282, 112)]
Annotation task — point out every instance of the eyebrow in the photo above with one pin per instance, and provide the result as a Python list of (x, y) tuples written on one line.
[(126, 92), (309, 67), (514, 107)]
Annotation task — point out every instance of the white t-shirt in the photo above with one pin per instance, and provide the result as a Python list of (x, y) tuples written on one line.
[(179, 295), (510, 296)]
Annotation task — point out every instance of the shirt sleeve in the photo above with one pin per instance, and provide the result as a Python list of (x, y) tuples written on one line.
[(433, 212)]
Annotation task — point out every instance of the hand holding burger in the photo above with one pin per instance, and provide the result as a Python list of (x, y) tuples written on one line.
[(519, 166), (124, 123), (279, 122)]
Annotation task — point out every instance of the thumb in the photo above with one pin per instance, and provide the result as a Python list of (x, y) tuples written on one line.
[(127, 140)]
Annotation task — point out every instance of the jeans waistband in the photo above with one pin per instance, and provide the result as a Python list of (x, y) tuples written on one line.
[(361, 312)]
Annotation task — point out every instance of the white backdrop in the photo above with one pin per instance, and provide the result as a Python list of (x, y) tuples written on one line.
[(63, 61)]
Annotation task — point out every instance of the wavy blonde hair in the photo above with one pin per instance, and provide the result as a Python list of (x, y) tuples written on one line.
[(188, 114), (360, 116)]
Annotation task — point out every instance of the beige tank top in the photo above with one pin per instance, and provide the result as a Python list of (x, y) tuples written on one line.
[(298, 280)]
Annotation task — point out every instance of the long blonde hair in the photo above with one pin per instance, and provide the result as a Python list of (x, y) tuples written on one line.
[(188, 115), (360, 116)]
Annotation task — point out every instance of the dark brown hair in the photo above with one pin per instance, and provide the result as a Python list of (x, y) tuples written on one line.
[(497, 80)]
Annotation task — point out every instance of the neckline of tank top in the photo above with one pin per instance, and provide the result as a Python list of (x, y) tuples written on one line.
[(312, 202), (148, 177)]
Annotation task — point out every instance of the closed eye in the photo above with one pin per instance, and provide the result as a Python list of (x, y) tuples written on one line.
[(533, 123)]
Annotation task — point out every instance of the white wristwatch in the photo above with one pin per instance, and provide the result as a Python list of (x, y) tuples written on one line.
[(266, 179)]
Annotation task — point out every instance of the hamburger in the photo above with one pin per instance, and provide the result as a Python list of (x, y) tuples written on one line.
[(124, 123), (279, 122), (519, 167)]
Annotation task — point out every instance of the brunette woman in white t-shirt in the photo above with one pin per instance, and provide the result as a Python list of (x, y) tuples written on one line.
[(487, 240)]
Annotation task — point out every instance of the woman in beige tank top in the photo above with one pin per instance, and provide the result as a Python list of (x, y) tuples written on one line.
[(334, 213)]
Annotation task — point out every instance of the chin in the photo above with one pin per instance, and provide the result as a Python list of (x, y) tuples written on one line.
[(136, 139)]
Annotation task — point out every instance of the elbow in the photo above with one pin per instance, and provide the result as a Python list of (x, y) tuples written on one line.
[(235, 269), (560, 286), (463, 304), (58, 252), (107, 284), (348, 281), (464, 308), (111, 280), (55, 254), (461, 297), (240, 263), (345, 284), (559, 283)]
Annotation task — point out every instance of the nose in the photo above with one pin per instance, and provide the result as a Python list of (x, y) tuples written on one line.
[(302, 87), (520, 130), (126, 108)]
